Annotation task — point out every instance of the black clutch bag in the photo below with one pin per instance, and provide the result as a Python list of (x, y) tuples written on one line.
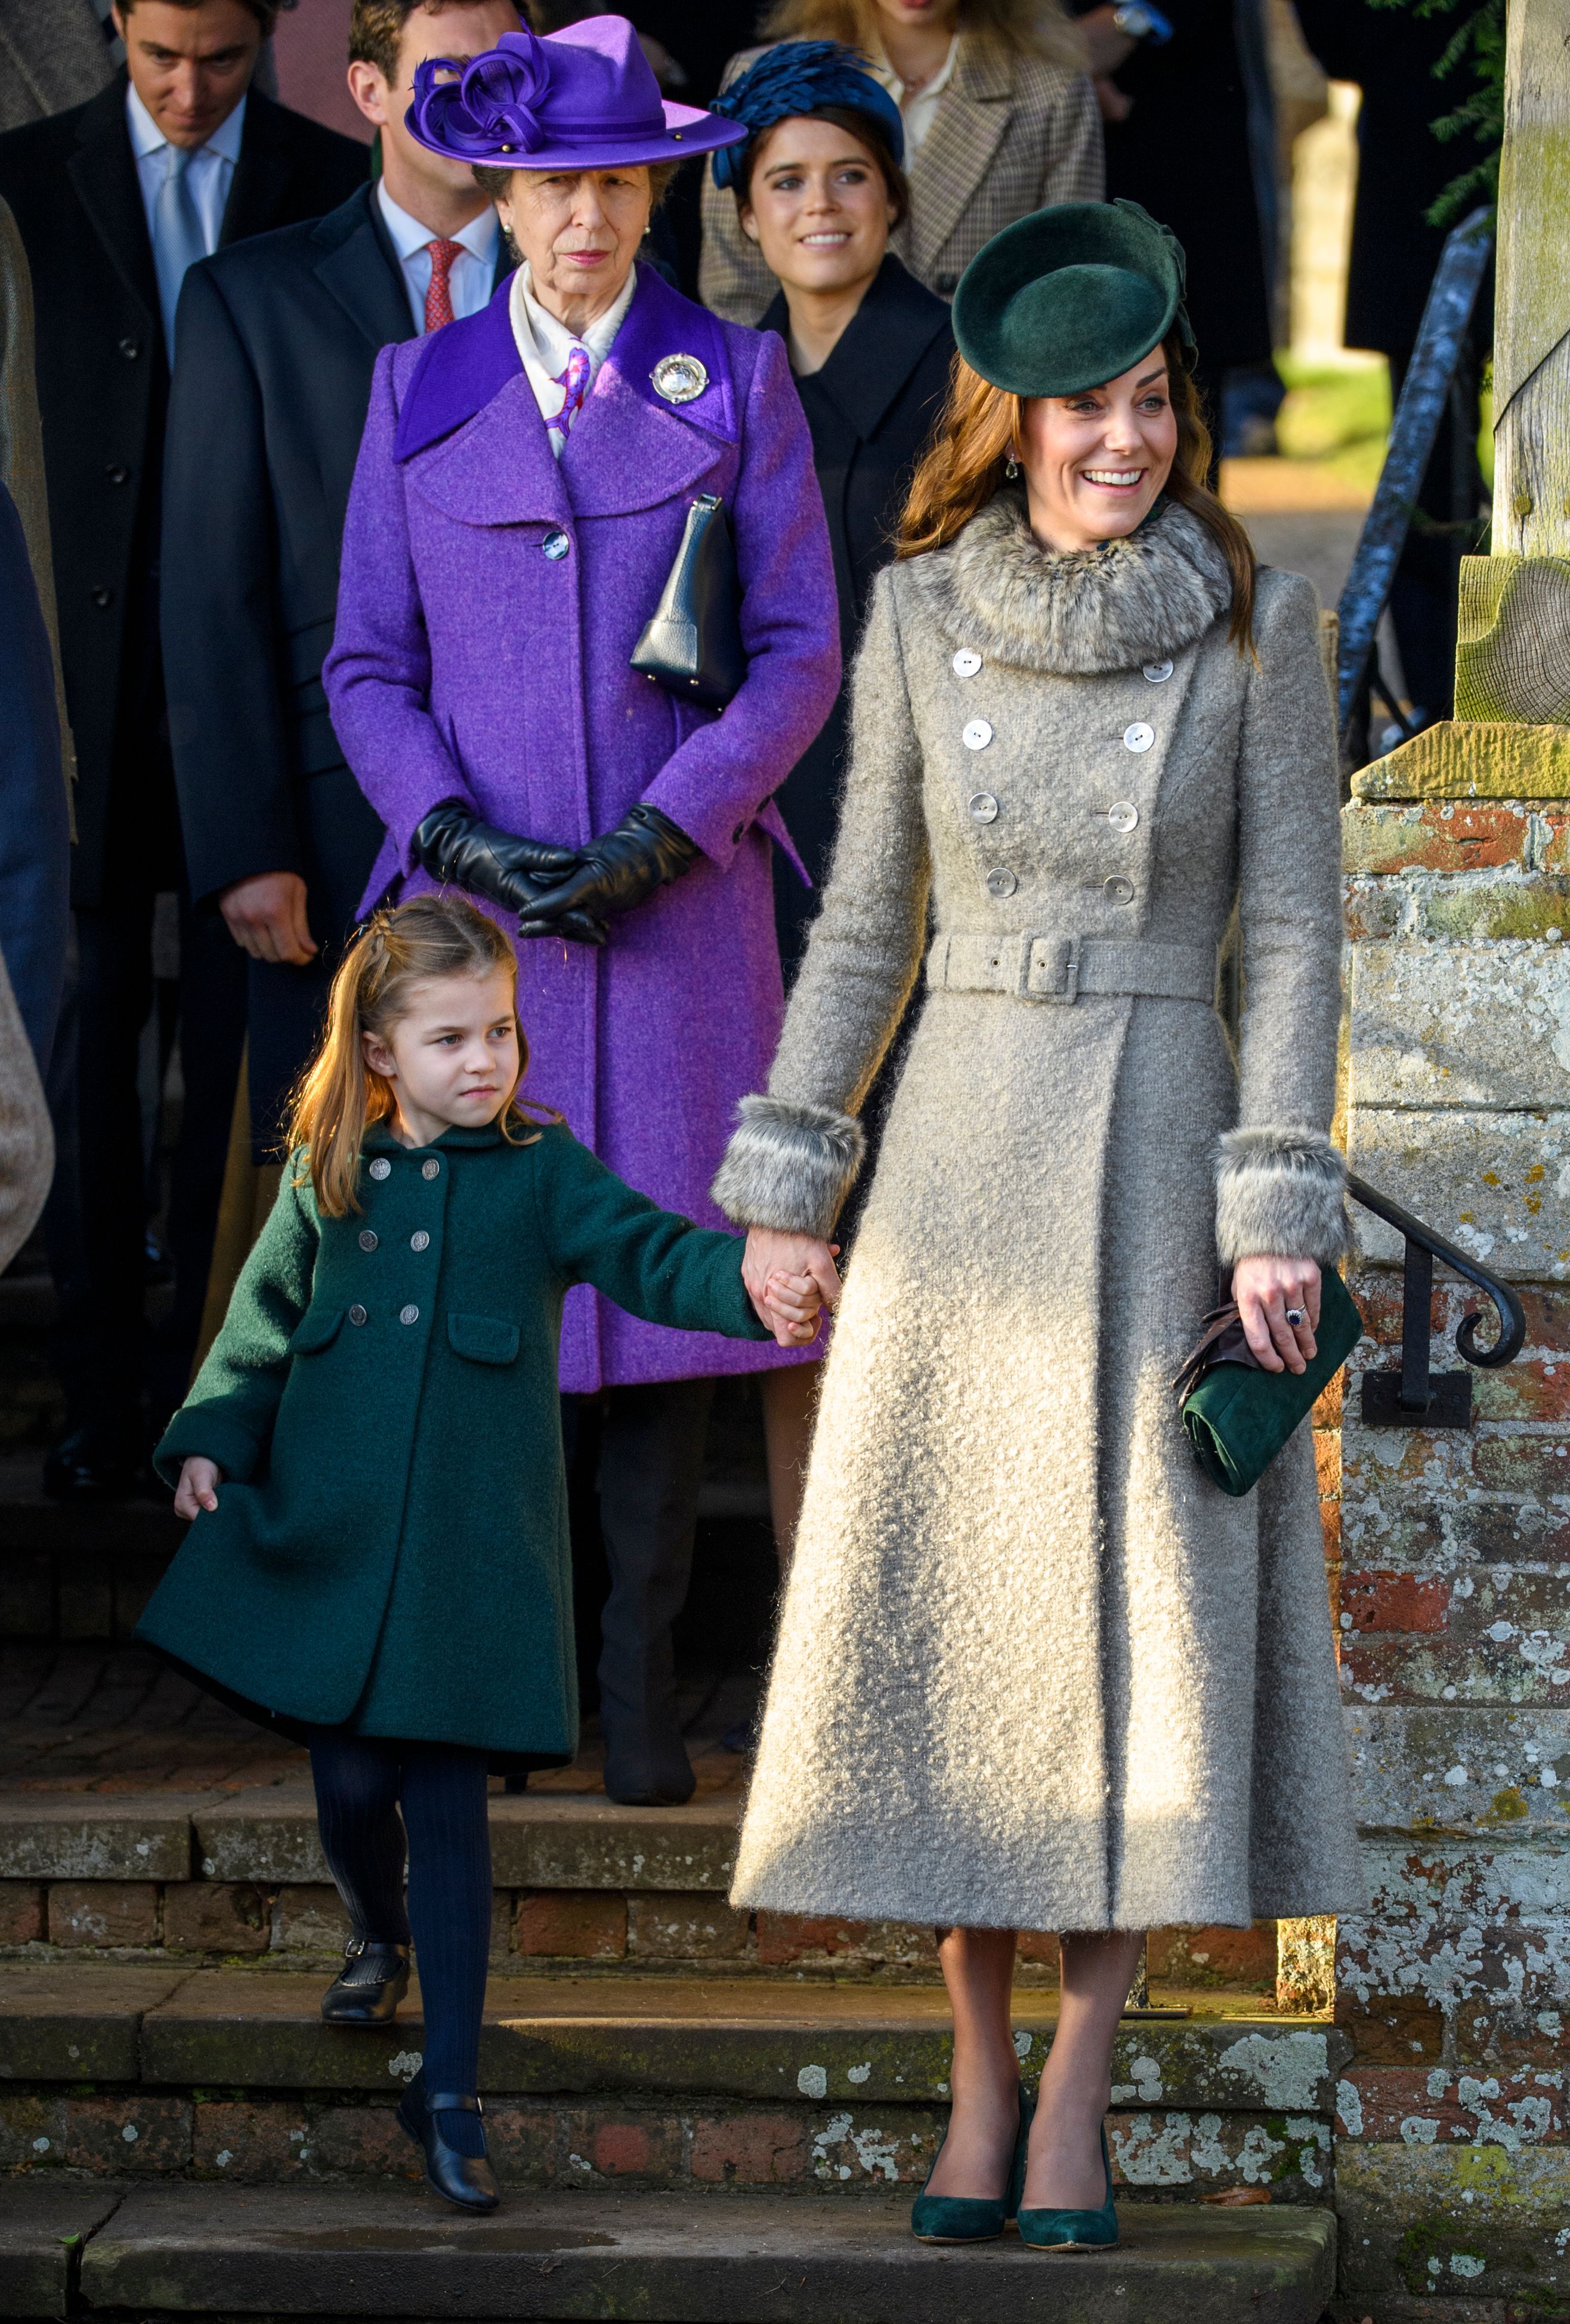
[(692, 643), (1237, 1415)]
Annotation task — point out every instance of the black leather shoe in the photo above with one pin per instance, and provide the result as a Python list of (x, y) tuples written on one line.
[(87, 1466), (465, 2180), (368, 1988)]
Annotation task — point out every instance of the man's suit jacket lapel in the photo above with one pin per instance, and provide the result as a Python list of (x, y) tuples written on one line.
[(957, 153), (362, 273), (262, 173), (103, 170)]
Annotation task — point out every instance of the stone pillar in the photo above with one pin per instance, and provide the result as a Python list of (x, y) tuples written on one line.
[(1453, 2172)]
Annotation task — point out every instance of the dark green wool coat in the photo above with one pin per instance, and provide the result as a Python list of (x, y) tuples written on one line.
[(390, 1548)]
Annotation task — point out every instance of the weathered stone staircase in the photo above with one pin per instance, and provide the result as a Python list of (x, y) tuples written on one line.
[(697, 2114)]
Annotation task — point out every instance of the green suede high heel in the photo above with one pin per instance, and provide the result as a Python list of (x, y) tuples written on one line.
[(974, 2218), (1045, 2230)]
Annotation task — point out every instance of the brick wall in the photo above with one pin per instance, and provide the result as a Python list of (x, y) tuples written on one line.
[(1449, 1573)]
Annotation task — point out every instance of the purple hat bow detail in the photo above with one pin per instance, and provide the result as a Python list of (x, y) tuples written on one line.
[(491, 104)]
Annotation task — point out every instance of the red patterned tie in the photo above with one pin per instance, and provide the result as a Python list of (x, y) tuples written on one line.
[(438, 295)]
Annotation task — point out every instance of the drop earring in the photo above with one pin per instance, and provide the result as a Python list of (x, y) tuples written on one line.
[(1011, 468)]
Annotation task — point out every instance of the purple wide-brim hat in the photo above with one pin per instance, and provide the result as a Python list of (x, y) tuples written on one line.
[(583, 98)]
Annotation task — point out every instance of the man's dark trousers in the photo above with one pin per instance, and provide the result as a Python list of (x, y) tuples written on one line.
[(650, 1465), (102, 386)]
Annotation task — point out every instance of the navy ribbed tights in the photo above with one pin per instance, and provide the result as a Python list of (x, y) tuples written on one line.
[(361, 1784)]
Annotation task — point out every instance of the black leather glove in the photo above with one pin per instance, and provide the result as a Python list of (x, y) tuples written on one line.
[(646, 851), (456, 848)]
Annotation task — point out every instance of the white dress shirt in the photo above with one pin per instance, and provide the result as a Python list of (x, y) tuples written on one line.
[(473, 272), (544, 344), (918, 111), (209, 175)]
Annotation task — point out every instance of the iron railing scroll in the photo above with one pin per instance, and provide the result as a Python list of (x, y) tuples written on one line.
[(1413, 1396)]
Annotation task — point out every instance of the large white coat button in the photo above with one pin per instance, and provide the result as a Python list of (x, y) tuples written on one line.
[(410, 1314), (1158, 672), (555, 545), (966, 662), (977, 735), (1123, 815), (429, 1169), (1117, 889), (1001, 882), (1139, 736), (984, 807), (381, 1168)]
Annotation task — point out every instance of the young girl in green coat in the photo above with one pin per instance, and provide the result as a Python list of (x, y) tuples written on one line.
[(379, 1560)]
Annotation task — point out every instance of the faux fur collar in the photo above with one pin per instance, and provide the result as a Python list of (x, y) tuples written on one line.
[(1109, 608)]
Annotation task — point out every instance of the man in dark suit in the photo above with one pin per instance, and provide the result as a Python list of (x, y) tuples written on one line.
[(114, 199), (277, 341)]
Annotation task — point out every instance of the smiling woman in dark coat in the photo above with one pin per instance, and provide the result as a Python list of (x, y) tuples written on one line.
[(819, 187)]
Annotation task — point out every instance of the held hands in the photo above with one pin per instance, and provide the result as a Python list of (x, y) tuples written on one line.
[(197, 1489), (790, 1279), (1264, 1289)]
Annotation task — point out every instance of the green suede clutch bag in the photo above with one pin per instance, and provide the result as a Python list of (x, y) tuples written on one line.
[(1237, 1416)]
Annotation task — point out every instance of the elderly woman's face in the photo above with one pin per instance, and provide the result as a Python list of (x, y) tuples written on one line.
[(1095, 463), (579, 230), (819, 209)]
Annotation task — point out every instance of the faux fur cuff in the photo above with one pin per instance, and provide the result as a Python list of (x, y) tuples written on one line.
[(789, 1166), (1280, 1192)]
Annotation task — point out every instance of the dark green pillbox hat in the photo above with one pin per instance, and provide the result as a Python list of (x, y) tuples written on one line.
[(1070, 298)]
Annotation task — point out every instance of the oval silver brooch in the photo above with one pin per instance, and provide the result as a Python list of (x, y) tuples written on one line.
[(679, 379)]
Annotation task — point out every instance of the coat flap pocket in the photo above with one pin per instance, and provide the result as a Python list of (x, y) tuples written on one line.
[(318, 1328), (483, 1339)]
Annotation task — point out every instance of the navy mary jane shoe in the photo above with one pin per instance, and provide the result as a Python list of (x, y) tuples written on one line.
[(1074, 2231), (368, 1988), (974, 2218), (465, 2180)]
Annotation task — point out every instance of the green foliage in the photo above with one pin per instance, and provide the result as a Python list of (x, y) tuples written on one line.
[(1478, 41)]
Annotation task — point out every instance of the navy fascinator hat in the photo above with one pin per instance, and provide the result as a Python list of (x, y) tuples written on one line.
[(798, 78)]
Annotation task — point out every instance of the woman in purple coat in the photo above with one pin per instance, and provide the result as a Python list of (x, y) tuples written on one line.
[(523, 488)]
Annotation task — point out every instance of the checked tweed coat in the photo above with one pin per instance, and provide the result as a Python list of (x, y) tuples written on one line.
[(1034, 1669), (1011, 133)]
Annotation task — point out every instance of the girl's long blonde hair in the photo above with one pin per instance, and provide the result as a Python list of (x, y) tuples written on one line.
[(1036, 27), (340, 1095), (980, 428)]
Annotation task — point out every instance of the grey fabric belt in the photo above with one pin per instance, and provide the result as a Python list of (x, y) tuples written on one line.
[(1060, 968)]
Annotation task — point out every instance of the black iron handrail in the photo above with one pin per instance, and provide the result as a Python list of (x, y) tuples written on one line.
[(1415, 1397), (1441, 338)]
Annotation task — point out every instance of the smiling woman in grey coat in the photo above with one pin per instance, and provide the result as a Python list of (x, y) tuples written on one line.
[(1034, 1670)]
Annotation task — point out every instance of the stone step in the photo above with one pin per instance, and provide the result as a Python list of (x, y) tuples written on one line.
[(677, 2083), (763, 2038), (672, 2259), (579, 1880)]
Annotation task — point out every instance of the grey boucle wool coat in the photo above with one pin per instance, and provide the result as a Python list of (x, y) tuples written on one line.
[(1034, 1669)]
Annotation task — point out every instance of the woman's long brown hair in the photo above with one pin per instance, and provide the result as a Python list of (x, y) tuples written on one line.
[(340, 1095), (980, 428), (1039, 28)]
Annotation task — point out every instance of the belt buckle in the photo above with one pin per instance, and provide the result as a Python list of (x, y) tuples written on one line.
[(1063, 996)]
